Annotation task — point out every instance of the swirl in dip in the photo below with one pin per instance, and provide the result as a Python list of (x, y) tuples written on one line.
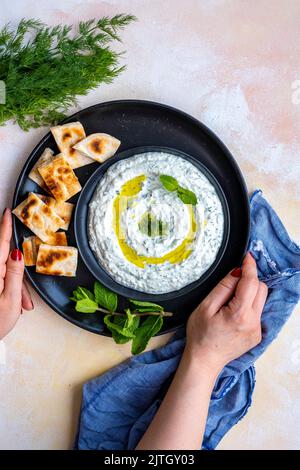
[(143, 235)]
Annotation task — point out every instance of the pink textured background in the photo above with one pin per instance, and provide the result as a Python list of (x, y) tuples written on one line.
[(230, 63)]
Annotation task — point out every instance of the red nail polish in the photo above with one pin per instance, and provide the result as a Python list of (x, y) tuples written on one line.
[(16, 255), (237, 272)]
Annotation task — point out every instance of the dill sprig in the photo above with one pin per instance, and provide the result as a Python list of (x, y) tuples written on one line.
[(45, 68)]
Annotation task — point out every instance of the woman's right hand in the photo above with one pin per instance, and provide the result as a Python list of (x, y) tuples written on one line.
[(227, 322)]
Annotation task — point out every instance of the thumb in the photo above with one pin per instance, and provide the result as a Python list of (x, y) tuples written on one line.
[(14, 276), (224, 290)]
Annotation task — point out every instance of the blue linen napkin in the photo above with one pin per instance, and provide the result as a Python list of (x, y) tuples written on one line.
[(118, 406)]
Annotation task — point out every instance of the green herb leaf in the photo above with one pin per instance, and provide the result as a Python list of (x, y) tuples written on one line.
[(187, 196), (168, 182), (122, 321), (45, 74), (118, 337), (82, 293), (125, 328), (105, 297), (86, 293), (150, 327), (146, 306), (86, 306)]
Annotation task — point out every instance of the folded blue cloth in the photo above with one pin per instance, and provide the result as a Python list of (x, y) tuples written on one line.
[(118, 406)]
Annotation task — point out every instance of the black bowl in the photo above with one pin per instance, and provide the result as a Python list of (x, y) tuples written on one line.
[(81, 226)]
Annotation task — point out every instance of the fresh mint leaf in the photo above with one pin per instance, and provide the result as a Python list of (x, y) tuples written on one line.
[(105, 297), (118, 337), (82, 293), (146, 306), (112, 326), (75, 296), (171, 184), (86, 306), (150, 327), (123, 322), (86, 293), (132, 321), (126, 328), (187, 196), (168, 182)]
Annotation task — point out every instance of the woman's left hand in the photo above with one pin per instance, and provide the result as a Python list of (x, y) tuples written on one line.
[(14, 294)]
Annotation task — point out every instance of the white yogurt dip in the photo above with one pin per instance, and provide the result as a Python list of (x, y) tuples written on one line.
[(143, 235)]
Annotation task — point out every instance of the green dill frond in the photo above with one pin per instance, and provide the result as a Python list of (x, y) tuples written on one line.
[(46, 68)]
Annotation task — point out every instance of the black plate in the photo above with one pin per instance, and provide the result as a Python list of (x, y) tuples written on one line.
[(81, 224), (140, 124)]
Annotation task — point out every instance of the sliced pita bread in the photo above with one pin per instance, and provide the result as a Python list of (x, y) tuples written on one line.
[(63, 209), (29, 250), (60, 178), (56, 239), (31, 246), (38, 217), (57, 260), (66, 136), (34, 174), (98, 146)]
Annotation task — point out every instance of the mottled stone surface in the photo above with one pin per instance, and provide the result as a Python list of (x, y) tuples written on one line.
[(231, 64)]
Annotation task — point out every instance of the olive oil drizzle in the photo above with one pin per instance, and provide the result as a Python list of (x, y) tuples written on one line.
[(128, 192)]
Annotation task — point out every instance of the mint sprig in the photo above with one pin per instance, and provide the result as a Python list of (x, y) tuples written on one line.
[(82, 293), (120, 321), (105, 297), (185, 195), (150, 327), (138, 323), (146, 306), (169, 182), (127, 329)]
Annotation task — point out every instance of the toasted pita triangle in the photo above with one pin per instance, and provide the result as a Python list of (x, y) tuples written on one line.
[(38, 217), (66, 136), (34, 174), (57, 260), (98, 146), (29, 250), (60, 178), (31, 246), (63, 209)]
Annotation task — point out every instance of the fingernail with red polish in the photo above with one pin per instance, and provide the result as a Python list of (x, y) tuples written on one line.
[(237, 272), (16, 255)]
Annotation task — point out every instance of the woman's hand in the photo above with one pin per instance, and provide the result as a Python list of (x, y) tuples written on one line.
[(224, 326), (227, 323), (14, 295)]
